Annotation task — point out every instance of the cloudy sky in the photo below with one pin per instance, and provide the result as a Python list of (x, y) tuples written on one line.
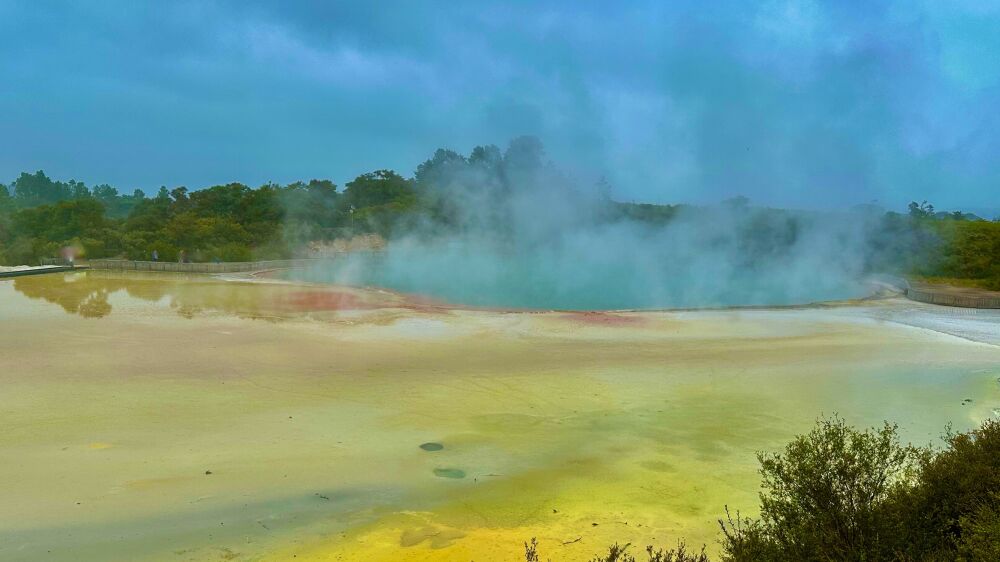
[(795, 103)]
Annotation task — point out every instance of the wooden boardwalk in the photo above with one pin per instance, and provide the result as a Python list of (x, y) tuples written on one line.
[(201, 267), (947, 295), (39, 271)]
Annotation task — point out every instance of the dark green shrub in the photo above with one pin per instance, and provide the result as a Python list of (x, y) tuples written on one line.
[(955, 498), (823, 498), (980, 532), (617, 553), (840, 494)]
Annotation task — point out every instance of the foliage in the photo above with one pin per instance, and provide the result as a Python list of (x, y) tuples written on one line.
[(619, 553), (6, 201), (823, 497), (842, 494), (920, 210), (980, 532), (679, 554), (449, 193), (973, 251), (645, 212), (379, 200), (955, 500)]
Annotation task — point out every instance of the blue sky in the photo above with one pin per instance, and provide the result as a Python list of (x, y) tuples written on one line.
[(794, 103)]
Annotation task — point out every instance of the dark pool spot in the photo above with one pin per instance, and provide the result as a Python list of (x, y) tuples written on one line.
[(431, 446), (449, 473)]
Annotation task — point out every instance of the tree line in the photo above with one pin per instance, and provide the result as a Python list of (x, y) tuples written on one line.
[(448, 193), (231, 222)]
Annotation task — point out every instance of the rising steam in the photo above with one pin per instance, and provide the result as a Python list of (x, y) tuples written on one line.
[(508, 230)]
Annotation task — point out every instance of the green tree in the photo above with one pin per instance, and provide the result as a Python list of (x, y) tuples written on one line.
[(62, 221), (31, 190), (522, 162), (376, 201), (6, 201), (954, 504), (442, 168), (921, 210), (824, 497), (486, 157), (379, 188)]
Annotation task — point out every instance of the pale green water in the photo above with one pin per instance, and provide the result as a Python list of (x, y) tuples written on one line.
[(535, 282)]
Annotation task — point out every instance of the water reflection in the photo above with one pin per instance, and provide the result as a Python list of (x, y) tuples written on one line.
[(73, 293), (91, 294)]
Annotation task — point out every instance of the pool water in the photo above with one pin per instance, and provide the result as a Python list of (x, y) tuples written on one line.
[(535, 281)]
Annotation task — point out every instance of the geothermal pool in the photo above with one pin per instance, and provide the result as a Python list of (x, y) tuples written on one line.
[(167, 417), (547, 281)]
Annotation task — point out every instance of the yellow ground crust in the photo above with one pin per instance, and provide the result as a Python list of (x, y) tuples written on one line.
[(167, 418)]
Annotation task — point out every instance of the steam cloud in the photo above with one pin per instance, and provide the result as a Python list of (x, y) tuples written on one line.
[(512, 231)]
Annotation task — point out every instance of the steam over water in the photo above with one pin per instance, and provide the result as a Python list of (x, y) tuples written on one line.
[(457, 274), (509, 230), (717, 258)]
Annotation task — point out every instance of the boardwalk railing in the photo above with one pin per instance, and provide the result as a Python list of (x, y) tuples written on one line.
[(36, 271), (950, 299), (222, 267)]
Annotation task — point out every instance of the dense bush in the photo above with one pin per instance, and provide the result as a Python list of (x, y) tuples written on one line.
[(973, 251), (826, 497), (951, 509), (840, 494)]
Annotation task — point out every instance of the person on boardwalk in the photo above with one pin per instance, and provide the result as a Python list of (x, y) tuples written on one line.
[(182, 257), (156, 255)]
